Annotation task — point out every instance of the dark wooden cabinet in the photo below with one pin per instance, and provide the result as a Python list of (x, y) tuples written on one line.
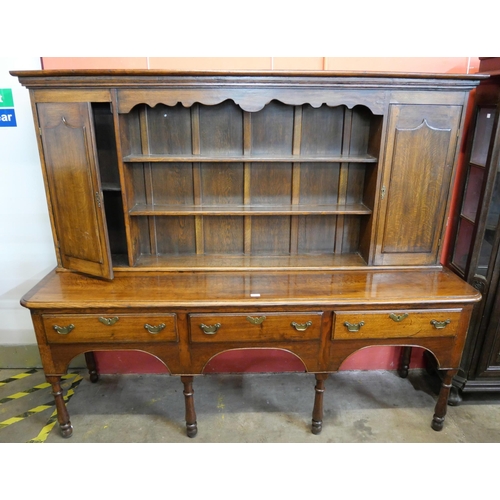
[(198, 213), (475, 253)]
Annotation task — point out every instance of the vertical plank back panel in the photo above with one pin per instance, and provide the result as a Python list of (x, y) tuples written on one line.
[(221, 129), (222, 184), (272, 130), (223, 235), (317, 234), (169, 129), (271, 235), (176, 235), (322, 130)]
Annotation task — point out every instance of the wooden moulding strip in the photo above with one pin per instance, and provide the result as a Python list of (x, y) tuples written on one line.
[(148, 177), (247, 194), (197, 194), (127, 194), (343, 177), (295, 198)]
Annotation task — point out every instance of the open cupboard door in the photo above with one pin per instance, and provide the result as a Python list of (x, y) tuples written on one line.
[(74, 188)]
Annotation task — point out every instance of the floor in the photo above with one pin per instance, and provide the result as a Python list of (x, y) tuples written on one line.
[(359, 407)]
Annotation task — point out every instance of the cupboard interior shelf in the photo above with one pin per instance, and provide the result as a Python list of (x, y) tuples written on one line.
[(352, 209), (477, 164), (250, 262), (467, 218), (107, 186), (248, 159)]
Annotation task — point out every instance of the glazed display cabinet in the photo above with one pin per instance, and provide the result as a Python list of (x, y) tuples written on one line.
[(475, 253), (204, 212)]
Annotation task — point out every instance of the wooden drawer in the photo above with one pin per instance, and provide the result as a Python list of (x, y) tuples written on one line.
[(395, 324), (109, 328), (254, 327)]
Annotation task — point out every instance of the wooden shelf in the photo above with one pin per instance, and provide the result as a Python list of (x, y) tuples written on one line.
[(153, 210), (108, 186), (246, 262), (478, 165), (467, 218), (248, 158)]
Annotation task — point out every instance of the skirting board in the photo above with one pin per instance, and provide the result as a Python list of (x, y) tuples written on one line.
[(28, 356)]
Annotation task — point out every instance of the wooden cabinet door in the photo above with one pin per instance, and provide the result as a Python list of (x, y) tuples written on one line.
[(485, 359), (420, 153), (74, 188)]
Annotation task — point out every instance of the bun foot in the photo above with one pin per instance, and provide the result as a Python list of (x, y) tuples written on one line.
[(437, 423), (316, 427), (455, 397), (191, 430), (66, 430)]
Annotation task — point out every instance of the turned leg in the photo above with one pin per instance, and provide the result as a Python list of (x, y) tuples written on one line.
[(317, 416), (62, 411), (442, 403), (191, 425), (91, 366), (404, 362)]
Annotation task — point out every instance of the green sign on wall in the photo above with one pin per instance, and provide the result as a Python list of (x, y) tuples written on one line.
[(6, 99), (7, 116)]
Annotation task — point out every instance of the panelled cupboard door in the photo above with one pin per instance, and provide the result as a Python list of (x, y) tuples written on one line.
[(74, 187), (421, 144)]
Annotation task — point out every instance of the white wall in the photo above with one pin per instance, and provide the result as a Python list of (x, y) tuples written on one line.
[(26, 246)]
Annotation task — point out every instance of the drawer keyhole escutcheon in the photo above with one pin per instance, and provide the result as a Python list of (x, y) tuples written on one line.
[(398, 317), (256, 321), (354, 327), (154, 329), (108, 321), (439, 325), (301, 327), (63, 330), (210, 329)]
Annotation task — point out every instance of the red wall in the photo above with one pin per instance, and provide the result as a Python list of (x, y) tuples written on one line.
[(267, 360), (403, 64)]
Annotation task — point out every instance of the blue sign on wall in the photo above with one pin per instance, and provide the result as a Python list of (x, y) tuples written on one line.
[(7, 113), (7, 118)]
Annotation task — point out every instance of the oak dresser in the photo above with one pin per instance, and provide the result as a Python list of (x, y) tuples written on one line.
[(195, 213)]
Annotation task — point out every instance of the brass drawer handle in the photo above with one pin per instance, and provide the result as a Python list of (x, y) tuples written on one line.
[(398, 317), (210, 329), (301, 327), (256, 321), (109, 321), (439, 325), (63, 330), (154, 329), (355, 327)]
